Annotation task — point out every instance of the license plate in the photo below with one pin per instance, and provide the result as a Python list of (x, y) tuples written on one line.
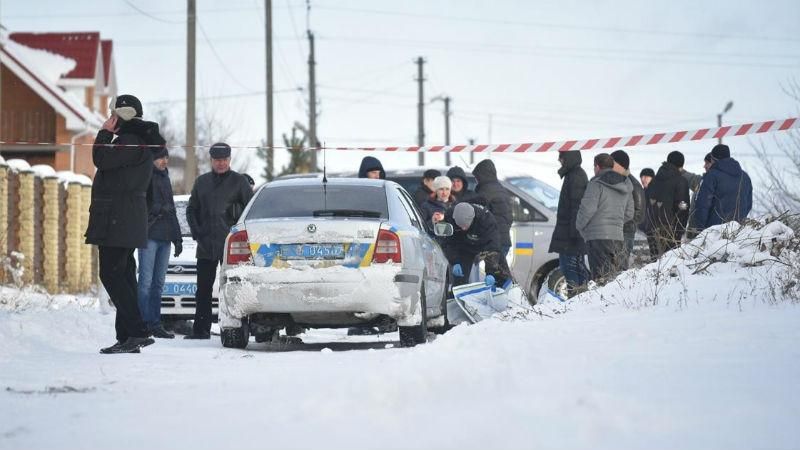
[(181, 289), (312, 251)]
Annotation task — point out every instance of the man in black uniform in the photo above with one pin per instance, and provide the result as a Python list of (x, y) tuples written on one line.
[(218, 198), (118, 213), (476, 238)]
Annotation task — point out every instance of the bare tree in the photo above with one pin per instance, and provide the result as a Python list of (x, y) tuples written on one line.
[(780, 192)]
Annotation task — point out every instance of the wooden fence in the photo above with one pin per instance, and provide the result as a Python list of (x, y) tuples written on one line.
[(45, 216)]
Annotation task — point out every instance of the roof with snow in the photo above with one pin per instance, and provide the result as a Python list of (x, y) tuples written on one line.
[(82, 47), (40, 70)]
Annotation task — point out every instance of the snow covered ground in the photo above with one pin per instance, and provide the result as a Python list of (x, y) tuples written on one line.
[(707, 360)]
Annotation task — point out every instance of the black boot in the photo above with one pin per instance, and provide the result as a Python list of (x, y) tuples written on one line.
[(116, 348), (159, 332), (131, 345)]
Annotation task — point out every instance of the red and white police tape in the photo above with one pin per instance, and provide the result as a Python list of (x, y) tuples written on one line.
[(550, 146), (601, 143)]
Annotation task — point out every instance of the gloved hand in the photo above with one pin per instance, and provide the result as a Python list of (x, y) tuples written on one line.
[(178, 247), (489, 280), (457, 271)]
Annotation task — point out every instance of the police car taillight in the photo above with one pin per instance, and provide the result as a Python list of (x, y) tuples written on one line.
[(238, 248), (387, 248)]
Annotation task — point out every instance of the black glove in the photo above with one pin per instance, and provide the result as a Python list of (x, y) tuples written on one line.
[(178, 247)]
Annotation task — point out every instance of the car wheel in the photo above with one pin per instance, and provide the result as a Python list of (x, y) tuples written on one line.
[(235, 337), (411, 336), (556, 283)]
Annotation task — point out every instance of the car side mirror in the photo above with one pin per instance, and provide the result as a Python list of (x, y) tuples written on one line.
[(443, 229)]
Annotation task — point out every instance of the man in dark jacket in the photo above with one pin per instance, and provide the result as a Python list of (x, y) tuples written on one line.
[(667, 206), (460, 190), (118, 213), (622, 163), (605, 207), (477, 240), (425, 189), (726, 193), (566, 240), (218, 199), (371, 167), (497, 199), (163, 232)]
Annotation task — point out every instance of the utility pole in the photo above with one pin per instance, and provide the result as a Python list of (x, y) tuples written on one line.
[(420, 111), (728, 107), (471, 154), (312, 102), (268, 46), (190, 172), (446, 101)]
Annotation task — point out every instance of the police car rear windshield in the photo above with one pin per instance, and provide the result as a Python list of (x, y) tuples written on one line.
[(312, 201)]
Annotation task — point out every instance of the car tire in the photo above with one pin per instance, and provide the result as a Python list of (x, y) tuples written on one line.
[(235, 337), (557, 283), (413, 335)]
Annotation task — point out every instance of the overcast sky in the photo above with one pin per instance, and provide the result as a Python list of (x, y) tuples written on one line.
[(542, 69)]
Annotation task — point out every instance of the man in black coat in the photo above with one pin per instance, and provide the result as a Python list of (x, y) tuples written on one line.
[(163, 232), (476, 238), (667, 203), (460, 190), (118, 213), (566, 240), (622, 163), (497, 199), (217, 200), (425, 189)]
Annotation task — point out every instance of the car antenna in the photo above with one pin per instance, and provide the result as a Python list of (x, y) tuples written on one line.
[(324, 177)]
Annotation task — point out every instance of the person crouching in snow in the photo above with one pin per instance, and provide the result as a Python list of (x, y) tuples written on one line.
[(476, 239)]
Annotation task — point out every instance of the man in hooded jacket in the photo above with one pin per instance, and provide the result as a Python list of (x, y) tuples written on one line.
[(118, 213), (566, 240), (726, 193), (371, 167), (605, 207), (667, 206), (217, 200), (497, 200), (460, 189)]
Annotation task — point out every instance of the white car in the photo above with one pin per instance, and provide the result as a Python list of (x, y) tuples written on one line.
[(342, 253), (180, 285)]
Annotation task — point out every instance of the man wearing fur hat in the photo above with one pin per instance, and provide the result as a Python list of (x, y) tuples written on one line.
[(118, 213), (163, 230), (217, 200), (726, 192)]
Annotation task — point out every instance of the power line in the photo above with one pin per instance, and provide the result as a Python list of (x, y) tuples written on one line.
[(221, 62), (224, 96), (146, 14), (592, 28)]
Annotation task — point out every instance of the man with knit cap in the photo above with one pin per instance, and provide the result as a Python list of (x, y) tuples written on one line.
[(646, 176), (667, 203), (118, 212), (622, 164), (476, 239), (605, 207), (726, 193), (163, 232), (217, 200)]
